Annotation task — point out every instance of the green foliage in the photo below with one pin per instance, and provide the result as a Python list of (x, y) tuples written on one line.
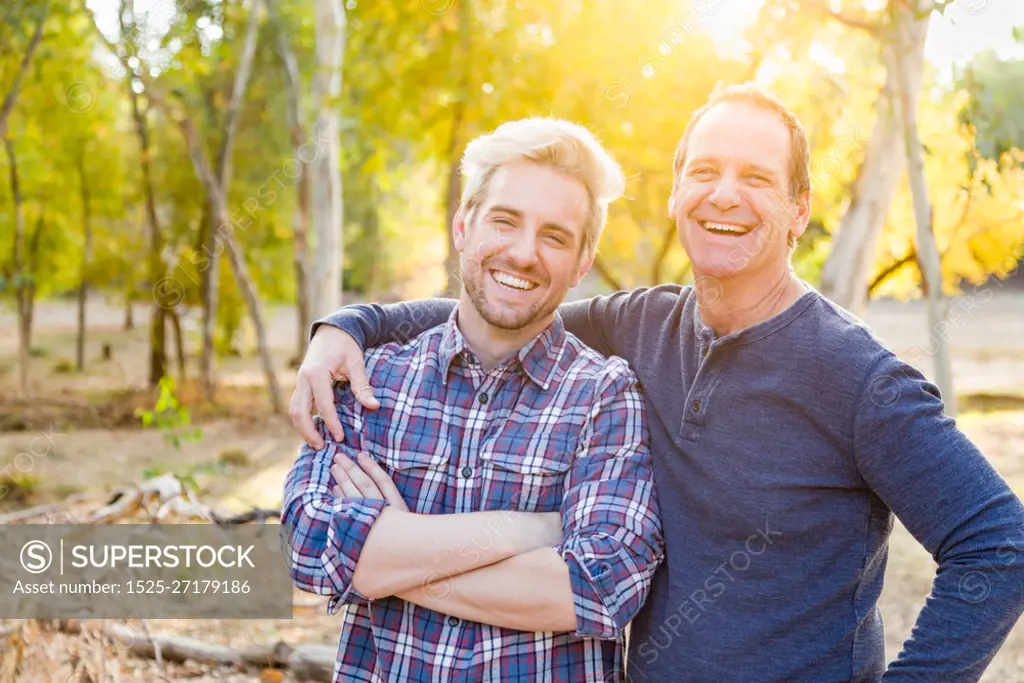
[(170, 417), (995, 108), (422, 78), (18, 487), (64, 366)]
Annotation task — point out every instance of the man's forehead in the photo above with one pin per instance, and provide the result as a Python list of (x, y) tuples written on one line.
[(528, 187), (741, 130)]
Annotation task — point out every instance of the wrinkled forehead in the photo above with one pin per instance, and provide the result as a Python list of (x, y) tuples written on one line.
[(742, 133)]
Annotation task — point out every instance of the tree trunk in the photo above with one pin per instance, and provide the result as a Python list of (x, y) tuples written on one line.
[(155, 265), (221, 219), (453, 189), (846, 271), (83, 286), (129, 314), (453, 199), (223, 235), (20, 280), (248, 289), (179, 344), (325, 295), (210, 291), (909, 40), (300, 221)]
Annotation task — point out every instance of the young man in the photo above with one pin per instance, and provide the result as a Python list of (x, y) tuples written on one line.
[(784, 438), (417, 519)]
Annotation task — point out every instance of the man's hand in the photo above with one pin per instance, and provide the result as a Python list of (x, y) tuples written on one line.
[(333, 355), (365, 480)]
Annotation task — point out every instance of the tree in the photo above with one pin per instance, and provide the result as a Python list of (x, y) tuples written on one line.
[(299, 136), (19, 274), (909, 41), (325, 170), (215, 182)]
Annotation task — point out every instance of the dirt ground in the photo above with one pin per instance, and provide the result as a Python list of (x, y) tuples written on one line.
[(96, 445)]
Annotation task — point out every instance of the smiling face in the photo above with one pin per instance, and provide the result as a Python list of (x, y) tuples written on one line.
[(521, 245), (732, 204)]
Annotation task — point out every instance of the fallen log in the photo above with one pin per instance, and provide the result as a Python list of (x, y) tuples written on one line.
[(260, 515), (311, 662), (40, 510)]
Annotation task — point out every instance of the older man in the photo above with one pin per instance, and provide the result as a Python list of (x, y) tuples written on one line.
[(784, 438)]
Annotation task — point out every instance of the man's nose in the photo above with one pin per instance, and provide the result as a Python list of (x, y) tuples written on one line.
[(522, 249), (725, 195)]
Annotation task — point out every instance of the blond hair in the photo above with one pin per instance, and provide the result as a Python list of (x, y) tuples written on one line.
[(566, 147), (799, 146)]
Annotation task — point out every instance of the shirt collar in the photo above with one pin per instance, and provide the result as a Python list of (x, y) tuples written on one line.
[(538, 357)]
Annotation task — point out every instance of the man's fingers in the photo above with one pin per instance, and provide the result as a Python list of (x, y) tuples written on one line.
[(382, 480), (300, 409), (343, 484), (367, 488), (359, 383), (323, 396)]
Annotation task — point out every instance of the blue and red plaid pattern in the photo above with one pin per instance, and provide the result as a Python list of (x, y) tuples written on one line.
[(556, 427)]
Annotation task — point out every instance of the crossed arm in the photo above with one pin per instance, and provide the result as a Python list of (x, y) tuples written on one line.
[(488, 567), (359, 549), (530, 591)]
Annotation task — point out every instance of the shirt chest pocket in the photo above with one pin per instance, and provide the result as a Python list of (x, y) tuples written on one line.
[(417, 460), (524, 481)]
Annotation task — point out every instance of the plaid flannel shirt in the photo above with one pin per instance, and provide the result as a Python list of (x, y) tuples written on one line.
[(557, 427)]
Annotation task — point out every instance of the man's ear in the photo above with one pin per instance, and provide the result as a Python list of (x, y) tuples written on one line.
[(459, 229), (803, 215), (581, 272)]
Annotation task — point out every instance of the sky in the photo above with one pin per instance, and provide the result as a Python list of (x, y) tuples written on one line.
[(964, 29)]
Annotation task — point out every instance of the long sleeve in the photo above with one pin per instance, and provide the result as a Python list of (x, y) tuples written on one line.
[(326, 534), (612, 538), (955, 504), (598, 322), (373, 325)]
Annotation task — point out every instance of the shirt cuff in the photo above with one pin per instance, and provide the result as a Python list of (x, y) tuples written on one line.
[(593, 579), (346, 536)]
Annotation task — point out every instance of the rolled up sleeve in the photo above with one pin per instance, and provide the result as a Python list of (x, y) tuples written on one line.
[(612, 539), (326, 534)]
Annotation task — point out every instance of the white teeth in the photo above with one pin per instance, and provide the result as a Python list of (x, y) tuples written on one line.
[(512, 281), (725, 227)]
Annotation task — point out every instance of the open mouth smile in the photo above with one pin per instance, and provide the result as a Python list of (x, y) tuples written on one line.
[(725, 228), (512, 282)]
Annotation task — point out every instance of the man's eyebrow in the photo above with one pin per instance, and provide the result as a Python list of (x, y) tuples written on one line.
[(699, 160), (505, 209)]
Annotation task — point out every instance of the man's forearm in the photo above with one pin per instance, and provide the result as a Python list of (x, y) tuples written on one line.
[(528, 592), (373, 324), (404, 550)]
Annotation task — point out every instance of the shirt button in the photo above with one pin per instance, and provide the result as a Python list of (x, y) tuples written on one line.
[(482, 398), (467, 472), (696, 406), (453, 621)]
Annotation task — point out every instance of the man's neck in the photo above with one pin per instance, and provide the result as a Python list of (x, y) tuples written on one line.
[(491, 344), (731, 304)]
